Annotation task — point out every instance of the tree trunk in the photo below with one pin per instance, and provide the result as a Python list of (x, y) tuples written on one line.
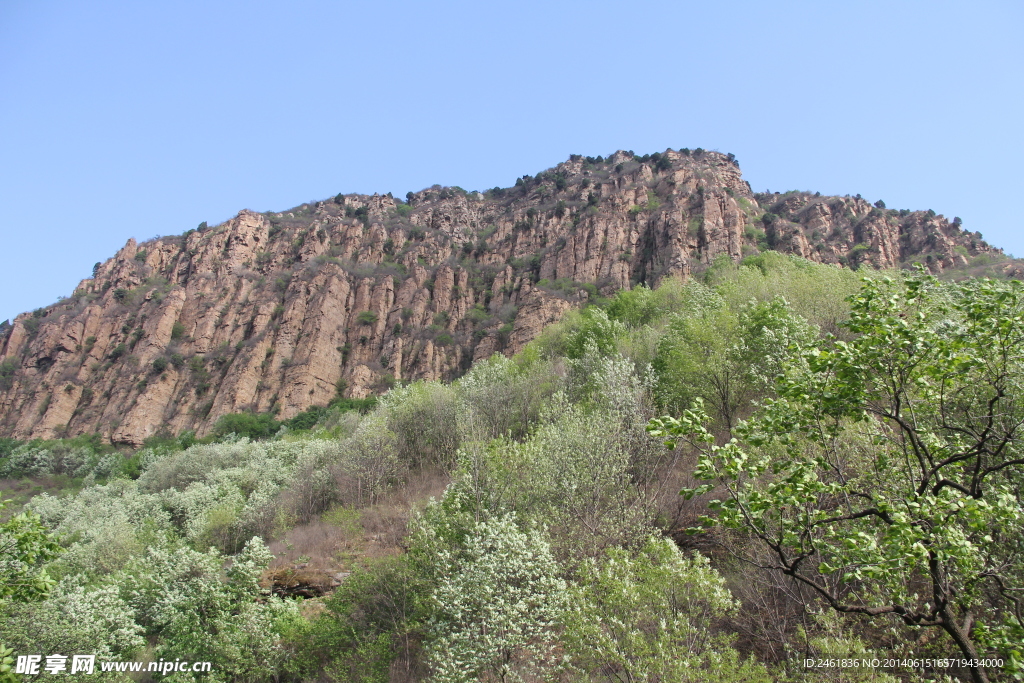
[(963, 641)]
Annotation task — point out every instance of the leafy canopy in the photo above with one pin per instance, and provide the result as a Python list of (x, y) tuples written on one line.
[(886, 476)]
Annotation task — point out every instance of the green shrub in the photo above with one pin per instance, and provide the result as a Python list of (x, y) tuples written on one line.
[(7, 370), (367, 622), (367, 318), (246, 424), (177, 330), (671, 601), (362, 405), (306, 419), (477, 313)]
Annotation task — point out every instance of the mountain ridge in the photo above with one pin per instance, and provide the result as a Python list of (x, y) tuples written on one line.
[(279, 311)]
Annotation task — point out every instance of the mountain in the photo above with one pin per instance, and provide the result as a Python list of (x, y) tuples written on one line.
[(278, 312)]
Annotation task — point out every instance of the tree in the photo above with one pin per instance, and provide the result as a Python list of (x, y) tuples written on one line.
[(496, 602), (726, 357), (648, 616), (25, 547), (246, 424), (887, 475)]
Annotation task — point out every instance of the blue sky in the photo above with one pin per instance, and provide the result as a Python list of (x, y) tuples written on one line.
[(132, 119)]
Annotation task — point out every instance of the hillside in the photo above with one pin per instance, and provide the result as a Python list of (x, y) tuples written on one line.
[(277, 312)]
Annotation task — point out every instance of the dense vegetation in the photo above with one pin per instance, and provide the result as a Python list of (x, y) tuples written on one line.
[(847, 449)]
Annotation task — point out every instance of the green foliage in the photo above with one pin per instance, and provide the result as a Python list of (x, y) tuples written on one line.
[(249, 425), (372, 617), (501, 398), (77, 457), (7, 369), (494, 606), (642, 306), (816, 292), (670, 602), (693, 227), (423, 416), (366, 318), (885, 478), (180, 597), (578, 331), (307, 419), (25, 547), (7, 666), (8, 445), (726, 356), (118, 351), (584, 468), (177, 330), (362, 405), (74, 619)]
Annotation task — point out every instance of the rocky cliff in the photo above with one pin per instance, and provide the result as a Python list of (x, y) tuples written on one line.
[(277, 312)]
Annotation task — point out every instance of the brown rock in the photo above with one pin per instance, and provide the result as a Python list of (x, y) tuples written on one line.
[(275, 312)]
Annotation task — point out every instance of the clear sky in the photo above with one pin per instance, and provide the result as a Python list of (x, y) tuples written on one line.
[(132, 119)]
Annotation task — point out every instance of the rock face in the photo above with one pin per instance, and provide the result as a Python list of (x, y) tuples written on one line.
[(278, 312)]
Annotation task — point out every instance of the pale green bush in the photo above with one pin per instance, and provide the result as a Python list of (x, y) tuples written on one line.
[(103, 526), (424, 419), (199, 614), (650, 615), (496, 606), (240, 461), (502, 398), (73, 620), (37, 459)]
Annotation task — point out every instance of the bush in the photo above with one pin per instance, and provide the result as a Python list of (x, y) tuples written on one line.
[(367, 318), (246, 424), (424, 417), (306, 419), (496, 603), (367, 622), (362, 405), (671, 603), (7, 370)]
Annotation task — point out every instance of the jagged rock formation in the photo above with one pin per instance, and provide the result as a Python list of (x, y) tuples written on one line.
[(280, 311)]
